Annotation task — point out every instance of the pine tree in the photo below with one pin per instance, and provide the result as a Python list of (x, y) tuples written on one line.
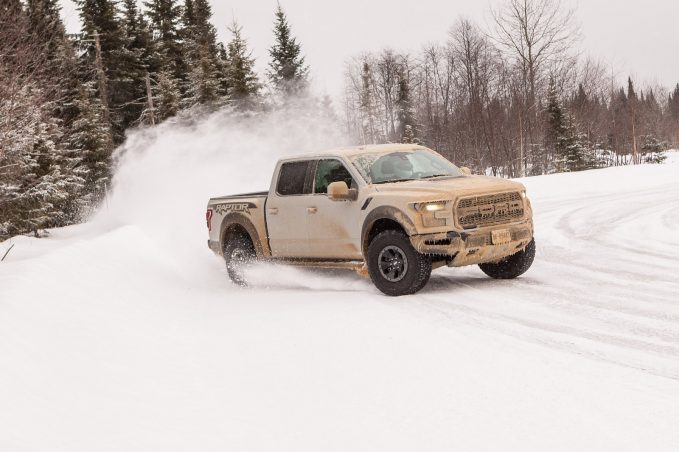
[(204, 85), (35, 184), (126, 54), (367, 106), (555, 126), (653, 149), (673, 113), (11, 7), (204, 32), (140, 58), (188, 19), (46, 25), (169, 71), (241, 77), (632, 116), (60, 62), (631, 93), (90, 138), (575, 155), (407, 130), (37, 178), (287, 70), (165, 17), (673, 103), (168, 96), (100, 22), (567, 146), (223, 69)]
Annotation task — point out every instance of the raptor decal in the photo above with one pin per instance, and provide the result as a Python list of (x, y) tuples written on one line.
[(229, 207)]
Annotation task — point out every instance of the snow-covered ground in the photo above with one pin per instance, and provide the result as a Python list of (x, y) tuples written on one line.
[(124, 334)]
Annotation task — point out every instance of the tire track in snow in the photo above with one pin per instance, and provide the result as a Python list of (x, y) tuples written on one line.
[(611, 294)]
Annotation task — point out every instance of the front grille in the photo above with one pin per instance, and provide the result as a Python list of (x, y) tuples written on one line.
[(490, 209)]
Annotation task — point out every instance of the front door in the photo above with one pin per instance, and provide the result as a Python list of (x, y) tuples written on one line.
[(333, 227)]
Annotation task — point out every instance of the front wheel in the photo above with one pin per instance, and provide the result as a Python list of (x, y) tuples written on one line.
[(239, 253), (511, 266), (395, 267)]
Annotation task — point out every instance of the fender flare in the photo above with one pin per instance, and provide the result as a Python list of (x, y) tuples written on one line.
[(389, 213), (237, 218)]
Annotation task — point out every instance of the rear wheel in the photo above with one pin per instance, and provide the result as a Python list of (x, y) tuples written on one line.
[(395, 267), (511, 266), (239, 253)]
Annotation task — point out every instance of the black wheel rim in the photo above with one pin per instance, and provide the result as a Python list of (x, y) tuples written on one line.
[(393, 263)]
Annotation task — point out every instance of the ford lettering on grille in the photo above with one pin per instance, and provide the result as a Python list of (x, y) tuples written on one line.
[(490, 209)]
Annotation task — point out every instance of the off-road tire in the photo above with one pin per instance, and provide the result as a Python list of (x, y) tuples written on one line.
[(511, 266), (415, 273), (239, 252)]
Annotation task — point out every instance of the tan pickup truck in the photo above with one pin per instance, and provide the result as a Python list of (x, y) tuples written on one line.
[(393, 212)]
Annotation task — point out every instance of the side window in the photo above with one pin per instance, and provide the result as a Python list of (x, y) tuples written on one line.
[(329, 171), (292, 179)]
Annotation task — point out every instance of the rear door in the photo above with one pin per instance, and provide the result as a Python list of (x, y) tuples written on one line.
[(286, 209), (334, 229)]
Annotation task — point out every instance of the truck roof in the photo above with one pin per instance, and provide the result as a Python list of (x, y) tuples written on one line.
[(350, 151)]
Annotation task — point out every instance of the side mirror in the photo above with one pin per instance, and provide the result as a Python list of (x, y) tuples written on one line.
[(466, 171), (339, 191)]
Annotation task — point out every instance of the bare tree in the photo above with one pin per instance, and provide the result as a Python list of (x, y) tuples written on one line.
[(476, 68), (536, 33), (436, 91), (538, 36)]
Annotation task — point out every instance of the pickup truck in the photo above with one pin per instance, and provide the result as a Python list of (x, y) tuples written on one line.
[(392, 212)]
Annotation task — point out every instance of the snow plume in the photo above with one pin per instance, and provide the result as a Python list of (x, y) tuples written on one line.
[(166, 174)]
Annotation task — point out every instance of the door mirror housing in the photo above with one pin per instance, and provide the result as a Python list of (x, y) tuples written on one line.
[(340, 191), (466, 171)]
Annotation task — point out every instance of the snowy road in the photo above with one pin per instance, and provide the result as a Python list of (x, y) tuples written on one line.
[(120, 335), (606, 282)]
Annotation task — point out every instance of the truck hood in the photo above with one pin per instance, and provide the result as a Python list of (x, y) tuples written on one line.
[(453, 187)]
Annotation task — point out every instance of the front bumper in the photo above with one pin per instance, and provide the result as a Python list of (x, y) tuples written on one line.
[(474, 247)]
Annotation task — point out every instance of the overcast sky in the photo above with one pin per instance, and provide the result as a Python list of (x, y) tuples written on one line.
[(640, 38)]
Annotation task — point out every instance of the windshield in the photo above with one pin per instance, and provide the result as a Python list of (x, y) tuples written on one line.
[(380, 168)]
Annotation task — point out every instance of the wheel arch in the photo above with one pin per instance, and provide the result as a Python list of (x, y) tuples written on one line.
[(235, 223), (382, 219)]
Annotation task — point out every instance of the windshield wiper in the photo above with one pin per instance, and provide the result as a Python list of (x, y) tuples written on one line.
[(392, 180), (435, 175)]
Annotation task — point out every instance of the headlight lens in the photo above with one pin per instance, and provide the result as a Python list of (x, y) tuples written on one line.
[(523, 194), (434, 207), (430, 206), (434, 213)]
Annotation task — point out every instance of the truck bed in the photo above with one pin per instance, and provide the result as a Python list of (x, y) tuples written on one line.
[(246, 209), (257, 194)]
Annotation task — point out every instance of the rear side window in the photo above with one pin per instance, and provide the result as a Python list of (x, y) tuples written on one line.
[(292, 179)]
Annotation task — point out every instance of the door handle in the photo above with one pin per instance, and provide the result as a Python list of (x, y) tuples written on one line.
[(311, 210), (273, 211)]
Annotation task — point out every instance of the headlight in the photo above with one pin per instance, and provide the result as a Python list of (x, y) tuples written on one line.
[(523, 194), (433, 207), (434, 213), (430, 206)]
